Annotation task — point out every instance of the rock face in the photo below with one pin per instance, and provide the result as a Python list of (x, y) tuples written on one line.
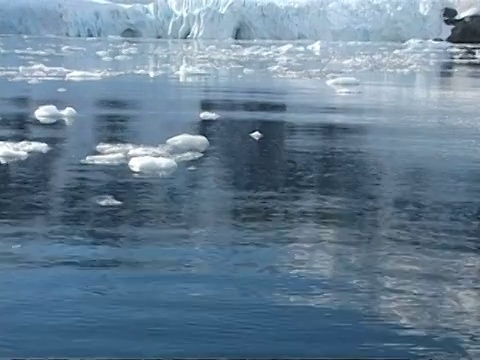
[(465, 30)]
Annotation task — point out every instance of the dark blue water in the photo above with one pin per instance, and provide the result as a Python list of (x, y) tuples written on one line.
[(350, 229)]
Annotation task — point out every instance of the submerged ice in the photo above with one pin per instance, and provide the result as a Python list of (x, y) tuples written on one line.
[(368, 20)]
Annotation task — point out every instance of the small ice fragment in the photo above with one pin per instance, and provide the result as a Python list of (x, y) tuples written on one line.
[(78, 75), (107, 200), (107, 159), (186, 142), (188, 156), (68, 112), (16, 246), (149, 164), (343, 81), (148, 151), (315, 47), (106, 148), (192, 168), (61, 89), (207, 115), (256, 135)]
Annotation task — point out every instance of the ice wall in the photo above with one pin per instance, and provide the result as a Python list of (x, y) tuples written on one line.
[(355, 20)]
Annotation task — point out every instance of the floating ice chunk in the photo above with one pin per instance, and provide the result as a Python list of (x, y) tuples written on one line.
[(153, 165), (343, 81), (285, 48), (107, 200), (315, 47), (188, 156), (186, 142), (148, 151), (32, 146), (207, 115), (8, 155), (107, 159), (105, 148), (49, 114), (256, 135), (61, 89), (78, 75), (17, 151)]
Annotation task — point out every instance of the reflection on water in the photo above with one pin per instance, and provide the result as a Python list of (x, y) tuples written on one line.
[(326, 237)]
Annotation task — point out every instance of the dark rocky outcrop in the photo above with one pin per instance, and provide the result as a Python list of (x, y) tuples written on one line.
[(465, 30)]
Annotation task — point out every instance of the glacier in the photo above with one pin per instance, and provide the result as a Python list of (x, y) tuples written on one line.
[(335, 20)]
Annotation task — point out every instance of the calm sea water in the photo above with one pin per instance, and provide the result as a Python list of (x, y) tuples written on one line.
[(350, 229)]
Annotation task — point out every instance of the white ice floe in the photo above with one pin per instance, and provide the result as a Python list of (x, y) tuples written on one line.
[(186, 142), (207, 115), (256, 135), (107, 200), (49, 114), (17, 151), (161, 166)]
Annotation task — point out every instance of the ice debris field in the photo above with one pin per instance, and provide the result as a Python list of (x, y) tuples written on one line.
[(352, 20), (160, 160)]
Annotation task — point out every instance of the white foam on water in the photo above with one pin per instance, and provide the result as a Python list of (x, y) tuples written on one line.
[(50, 114), (17, 151), (186, 142), (355, 20), (161, 166)]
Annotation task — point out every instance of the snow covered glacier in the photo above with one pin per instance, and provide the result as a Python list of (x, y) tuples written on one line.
[(353, 20)]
